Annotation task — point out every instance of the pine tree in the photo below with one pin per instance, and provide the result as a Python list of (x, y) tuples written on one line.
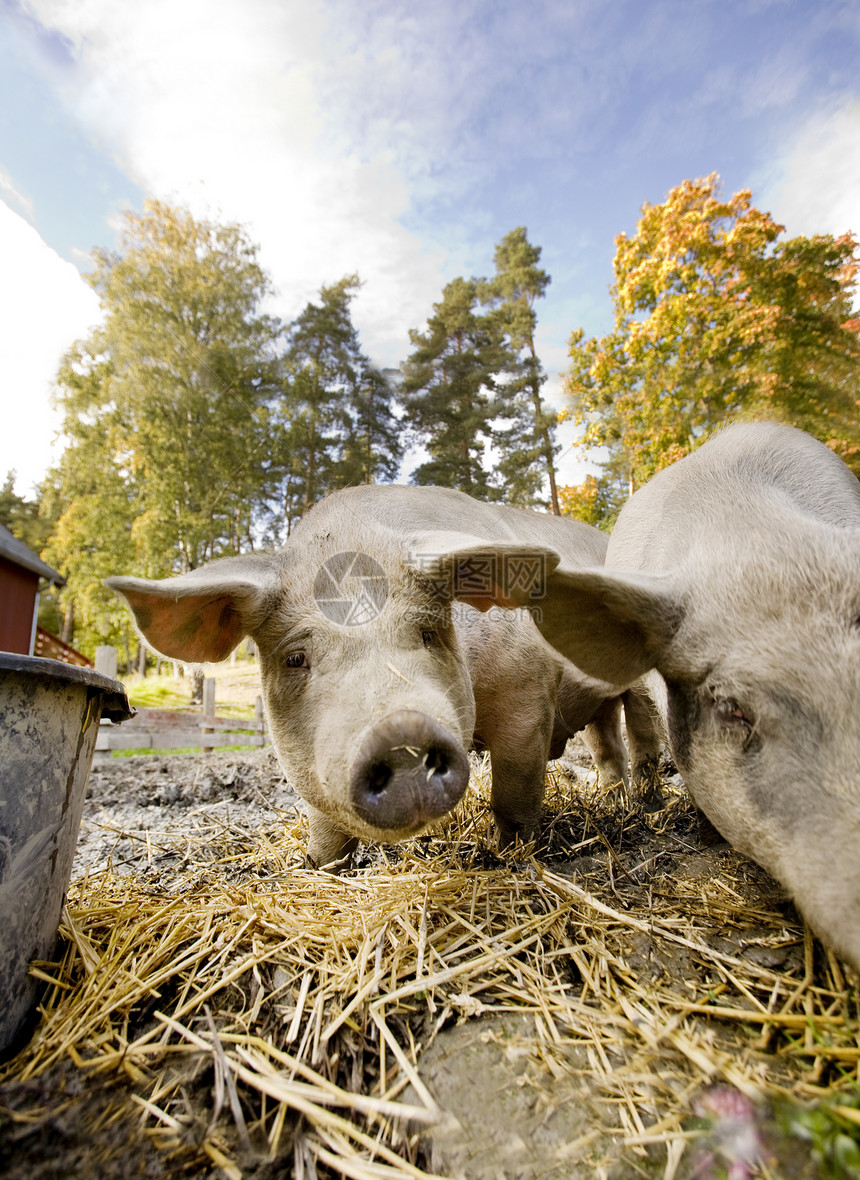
[(334, 422), (527, 448), (449, 391)]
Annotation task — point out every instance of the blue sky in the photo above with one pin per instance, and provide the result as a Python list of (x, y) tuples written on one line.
[(401, 140)]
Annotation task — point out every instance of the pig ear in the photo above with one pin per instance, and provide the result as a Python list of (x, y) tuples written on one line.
[(201, 616), (485, 573), (613, 625)]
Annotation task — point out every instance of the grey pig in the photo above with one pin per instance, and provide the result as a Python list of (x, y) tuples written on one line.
[(378, 672), (736, 574)]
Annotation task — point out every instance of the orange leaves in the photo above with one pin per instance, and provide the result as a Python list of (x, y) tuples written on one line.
[(715, 314)]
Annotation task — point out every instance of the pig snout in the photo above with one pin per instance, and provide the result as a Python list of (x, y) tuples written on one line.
[(409, 770)]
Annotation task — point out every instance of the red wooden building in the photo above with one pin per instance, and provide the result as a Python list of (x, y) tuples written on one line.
[(20, 573)]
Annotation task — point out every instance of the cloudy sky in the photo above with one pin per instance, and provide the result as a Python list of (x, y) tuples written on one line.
[(399, 139)]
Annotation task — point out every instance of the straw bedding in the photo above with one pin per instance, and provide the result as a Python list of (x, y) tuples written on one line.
[(620, 1001)]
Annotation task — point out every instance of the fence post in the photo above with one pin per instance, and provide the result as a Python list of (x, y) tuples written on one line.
[(208, 708), (260, 718), (106, 660)]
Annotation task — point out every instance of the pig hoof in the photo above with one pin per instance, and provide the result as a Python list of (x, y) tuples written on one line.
[(507, 837), (647, 787)]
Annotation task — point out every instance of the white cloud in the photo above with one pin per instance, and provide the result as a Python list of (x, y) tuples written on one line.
[(44, 307), (813, 185), (221, 107)]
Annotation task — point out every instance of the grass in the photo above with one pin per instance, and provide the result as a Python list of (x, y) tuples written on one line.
[(236, 687)]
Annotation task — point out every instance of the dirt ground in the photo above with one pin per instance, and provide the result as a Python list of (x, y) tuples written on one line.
[(511, 1112)]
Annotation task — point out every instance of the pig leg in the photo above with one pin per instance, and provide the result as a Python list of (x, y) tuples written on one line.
[(327, 843), (644, 731), (519, 751), (517, 794), (604, 739)]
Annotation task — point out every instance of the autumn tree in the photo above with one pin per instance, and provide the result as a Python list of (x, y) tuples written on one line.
[(527, 450), (449, 390), (717, 315), (590, 501)]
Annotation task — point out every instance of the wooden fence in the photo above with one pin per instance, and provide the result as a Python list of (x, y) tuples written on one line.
[(163, 729)]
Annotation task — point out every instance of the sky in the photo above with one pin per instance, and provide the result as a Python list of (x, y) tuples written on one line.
[(400, 140)]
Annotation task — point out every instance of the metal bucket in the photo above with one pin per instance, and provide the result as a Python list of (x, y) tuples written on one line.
[(49, 720)]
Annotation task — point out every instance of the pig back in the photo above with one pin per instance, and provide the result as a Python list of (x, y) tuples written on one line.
[(746, 479), (410, 513)]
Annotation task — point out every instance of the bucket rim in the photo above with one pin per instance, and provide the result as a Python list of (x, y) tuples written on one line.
[(115, 706)]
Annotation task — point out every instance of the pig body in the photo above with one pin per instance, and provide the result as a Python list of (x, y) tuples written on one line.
[(736, 574), (381, 664)]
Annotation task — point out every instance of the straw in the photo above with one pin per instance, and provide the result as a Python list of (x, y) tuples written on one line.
[(284, 1012)]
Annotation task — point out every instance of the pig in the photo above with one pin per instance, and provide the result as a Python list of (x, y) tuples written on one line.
[(735, 573), (382, 661)]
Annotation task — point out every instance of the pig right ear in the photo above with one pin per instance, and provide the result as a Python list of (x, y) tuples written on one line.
[(614, 625), (201, 616)]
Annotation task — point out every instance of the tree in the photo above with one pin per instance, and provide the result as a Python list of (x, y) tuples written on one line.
[(715, 317), (448, 388), (192, 364), (21, 517), (165, 409), (372, 448), (528, 451), (590, 501), (334, 421)]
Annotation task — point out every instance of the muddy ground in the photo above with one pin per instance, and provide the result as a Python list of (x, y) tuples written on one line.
[(513, 1120)]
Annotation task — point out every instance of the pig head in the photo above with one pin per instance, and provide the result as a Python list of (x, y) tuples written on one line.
[(366, 687), (736, 574)]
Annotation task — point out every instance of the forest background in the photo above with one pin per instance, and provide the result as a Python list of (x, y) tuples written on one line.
[(200, 427)]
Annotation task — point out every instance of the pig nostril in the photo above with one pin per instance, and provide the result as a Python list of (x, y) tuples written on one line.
[(408, 771), (378, 778), (436, 761)]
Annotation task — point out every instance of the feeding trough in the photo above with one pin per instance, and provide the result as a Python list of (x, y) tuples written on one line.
[(49, 720)]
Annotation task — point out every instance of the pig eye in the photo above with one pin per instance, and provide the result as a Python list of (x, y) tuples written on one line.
[(428, 638), (296, 659), (729, 712)]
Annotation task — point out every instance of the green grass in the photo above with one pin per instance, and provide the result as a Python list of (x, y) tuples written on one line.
[(154, 692), (182, 750), (157, 693)]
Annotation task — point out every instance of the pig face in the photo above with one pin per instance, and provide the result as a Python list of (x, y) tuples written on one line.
[(761, 659), (366, 689), (369, 700)]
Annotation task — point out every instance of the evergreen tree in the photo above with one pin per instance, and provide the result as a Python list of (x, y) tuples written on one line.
[(526, 444), (448, 390), (335, 423)]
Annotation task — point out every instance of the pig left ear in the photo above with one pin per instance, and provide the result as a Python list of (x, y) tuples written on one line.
[(485, 573), (201, 616)]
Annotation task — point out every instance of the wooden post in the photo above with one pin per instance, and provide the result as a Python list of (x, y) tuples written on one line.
[(106, 660), (260, 718), (208, 708)]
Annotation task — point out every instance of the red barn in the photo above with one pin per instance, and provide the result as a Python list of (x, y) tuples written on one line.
[(20, 572)]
